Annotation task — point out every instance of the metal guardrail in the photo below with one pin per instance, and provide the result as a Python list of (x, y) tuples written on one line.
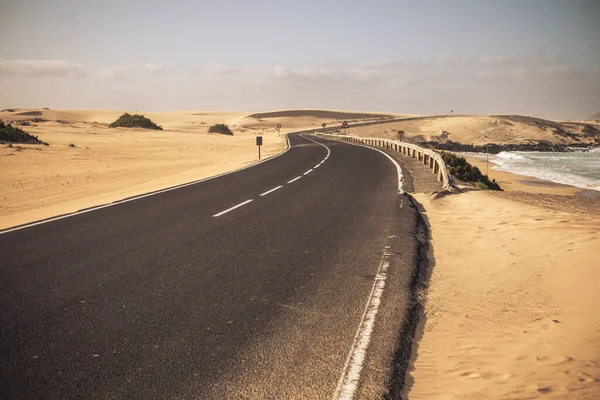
[(430, 158)]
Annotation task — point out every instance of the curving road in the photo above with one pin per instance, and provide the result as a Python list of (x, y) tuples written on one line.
[(290, 279)]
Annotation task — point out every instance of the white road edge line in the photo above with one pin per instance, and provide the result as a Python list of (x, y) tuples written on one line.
[(295, 179), (351, 374), (232, 208), (270, 191), (328, 150), (350, 377), (133, 198), (308, 172)]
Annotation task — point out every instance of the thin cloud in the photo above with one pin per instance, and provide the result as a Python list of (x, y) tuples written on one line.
[(128, 71), (154, 68), (39, 68), (118, 72)]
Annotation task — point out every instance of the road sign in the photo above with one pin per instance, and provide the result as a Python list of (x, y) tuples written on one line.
[(278, 126), (323, 124), (259, 143), (345, 125)]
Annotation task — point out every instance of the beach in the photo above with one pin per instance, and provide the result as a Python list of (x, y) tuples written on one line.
[(523, 183), (510, 311)]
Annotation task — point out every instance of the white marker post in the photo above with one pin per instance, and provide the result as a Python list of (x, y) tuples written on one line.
[(259, 143)]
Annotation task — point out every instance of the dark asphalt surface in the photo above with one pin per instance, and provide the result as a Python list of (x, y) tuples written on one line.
[(157, 299)]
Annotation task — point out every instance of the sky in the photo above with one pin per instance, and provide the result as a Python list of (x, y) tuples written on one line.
[(530, 57)]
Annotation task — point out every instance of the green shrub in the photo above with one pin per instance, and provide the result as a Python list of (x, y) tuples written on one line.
[(461, 169), (220, 128), (14, 134), (134, 121)]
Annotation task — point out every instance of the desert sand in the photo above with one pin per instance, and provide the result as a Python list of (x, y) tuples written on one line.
[(111, 164), (479, 130), (511, 309), (108, 165)]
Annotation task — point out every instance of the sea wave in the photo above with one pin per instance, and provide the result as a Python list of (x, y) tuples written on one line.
[(507, 155), (579, 169)]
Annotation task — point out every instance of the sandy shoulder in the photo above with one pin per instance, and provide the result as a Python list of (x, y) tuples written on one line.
[(512, 302), (111, 164)]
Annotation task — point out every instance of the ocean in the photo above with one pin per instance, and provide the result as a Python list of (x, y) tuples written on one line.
[(580, 168)]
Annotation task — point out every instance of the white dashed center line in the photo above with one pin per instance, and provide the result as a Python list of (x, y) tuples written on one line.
[(271, 191), (307, 172), (233, 208), (295, 179)]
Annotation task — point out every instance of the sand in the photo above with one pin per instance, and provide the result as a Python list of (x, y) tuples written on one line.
[(511, 309), (528, 184), (111, 164), (479, 130), (107, 164)]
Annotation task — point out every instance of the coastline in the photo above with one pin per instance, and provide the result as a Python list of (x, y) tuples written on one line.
[(512, 182), (510, 305)]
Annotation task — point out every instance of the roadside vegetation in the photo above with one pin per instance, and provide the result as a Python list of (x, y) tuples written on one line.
[(220, 128), (134, 121), (9, 133), (461, 169)]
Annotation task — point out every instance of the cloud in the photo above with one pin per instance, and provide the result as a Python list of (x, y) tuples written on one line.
[(39, 68), (533, 72), (131, 70), (154, 68), (396, 73), (535, 59), (325, 76), (118, 72)]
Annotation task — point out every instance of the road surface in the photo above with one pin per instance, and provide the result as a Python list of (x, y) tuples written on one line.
[(289, 279)]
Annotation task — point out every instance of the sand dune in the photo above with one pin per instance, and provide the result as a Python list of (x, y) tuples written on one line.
[(292, 120), (512, 302), (322, 114), (480, 130), (110, 164)]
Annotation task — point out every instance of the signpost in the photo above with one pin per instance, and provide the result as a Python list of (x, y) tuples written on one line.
[(323, 125), (259, 143), (345, 126), (278, 128)]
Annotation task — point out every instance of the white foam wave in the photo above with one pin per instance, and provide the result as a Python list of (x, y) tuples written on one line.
[(575, 169), (510, 156)]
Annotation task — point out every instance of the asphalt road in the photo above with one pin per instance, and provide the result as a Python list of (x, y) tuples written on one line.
[(171, 296)]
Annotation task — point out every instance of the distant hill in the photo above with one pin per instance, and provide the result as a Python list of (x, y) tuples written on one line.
[(594, 117)]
